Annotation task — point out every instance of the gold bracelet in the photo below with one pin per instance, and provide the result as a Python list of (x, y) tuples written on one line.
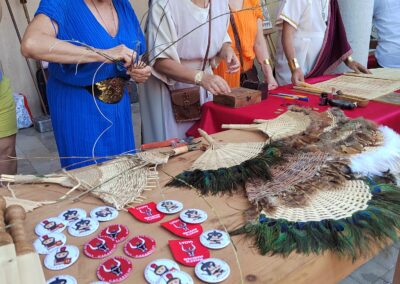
[(293, 64), (267, 61), (349, 59), (198, 77)]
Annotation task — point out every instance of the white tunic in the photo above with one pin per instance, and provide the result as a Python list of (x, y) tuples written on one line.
[(309, 18), (180, 17)]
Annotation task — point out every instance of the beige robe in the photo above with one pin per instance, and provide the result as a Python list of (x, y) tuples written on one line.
[(179, 18), (309, 18)]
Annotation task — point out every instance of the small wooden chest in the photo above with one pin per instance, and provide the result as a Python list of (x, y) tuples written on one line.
[(239, 97)]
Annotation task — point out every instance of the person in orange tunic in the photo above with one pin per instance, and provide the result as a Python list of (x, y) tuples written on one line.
[(247, 17)]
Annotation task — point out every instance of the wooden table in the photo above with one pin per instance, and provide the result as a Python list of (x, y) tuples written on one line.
[(297, 269)]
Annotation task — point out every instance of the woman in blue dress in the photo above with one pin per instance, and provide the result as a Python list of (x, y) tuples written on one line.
[(89, 120)]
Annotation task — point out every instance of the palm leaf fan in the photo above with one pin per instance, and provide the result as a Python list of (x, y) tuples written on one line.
[(288, 124), (345, 221), (225, 167)]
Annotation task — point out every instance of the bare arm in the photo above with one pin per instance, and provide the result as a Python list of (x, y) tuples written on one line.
[(178, 72), (262, 53), (290, 52), (40, 42)]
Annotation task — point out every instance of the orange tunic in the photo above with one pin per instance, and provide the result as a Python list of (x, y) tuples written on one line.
[(246, 23)]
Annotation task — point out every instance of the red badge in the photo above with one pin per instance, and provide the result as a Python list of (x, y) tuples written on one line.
[(114, 269), (117, 232), (99, 247), (147, 213), (140, 246), (183, 229), (188, 252)]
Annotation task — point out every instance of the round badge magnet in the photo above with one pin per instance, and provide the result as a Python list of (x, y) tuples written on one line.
[(62, 279), (114, 269), (157, 268), (212, 270), (99, 247), (117, 232), (62, 257), (46, 243), (193, 216), (83, 227), (50, 225), (104, 213), (140, 246), (169, 206), (215, 239), (176, 276), (72, 215)]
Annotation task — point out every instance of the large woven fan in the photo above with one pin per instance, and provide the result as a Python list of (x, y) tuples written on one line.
[(287, 124), (227, 166), (119, 182), (345, 221)]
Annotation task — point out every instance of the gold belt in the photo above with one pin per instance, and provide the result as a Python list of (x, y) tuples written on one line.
[(109, 91)]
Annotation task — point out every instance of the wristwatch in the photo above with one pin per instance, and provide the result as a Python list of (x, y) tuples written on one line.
[(198, 77)]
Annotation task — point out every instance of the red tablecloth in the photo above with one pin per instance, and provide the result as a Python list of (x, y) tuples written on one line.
[(213, 115)]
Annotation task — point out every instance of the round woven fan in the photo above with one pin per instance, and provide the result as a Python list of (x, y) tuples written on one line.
[(288, 124), (227, 166)]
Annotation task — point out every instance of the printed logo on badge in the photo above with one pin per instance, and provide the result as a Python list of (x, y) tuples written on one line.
[(215, 239), (50, 225), (193, 216), (176, 277), (117, 232), (157, 268), (147, 213), (212, 270), (72, 215), (183, 229), (83, 227), (188, 252), (46, 243), (114, 270), (61, 257), (169, 206), (140, 246), (99, 247), (62, 279), (104, 213)]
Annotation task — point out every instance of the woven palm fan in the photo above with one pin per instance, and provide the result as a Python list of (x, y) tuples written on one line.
[(119, 182), (225, 167), (346, 221), (285, 125)]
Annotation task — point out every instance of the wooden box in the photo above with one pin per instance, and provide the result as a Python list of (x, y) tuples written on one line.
[(239, 97)]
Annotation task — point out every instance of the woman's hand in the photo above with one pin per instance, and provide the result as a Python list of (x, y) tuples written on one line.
[(139, 75), (269, 77), (215, 84), (123, 53), (297, 77), (232, 62), (357, 67)]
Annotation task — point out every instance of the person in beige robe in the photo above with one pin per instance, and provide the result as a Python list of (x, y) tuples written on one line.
[(177, 66)]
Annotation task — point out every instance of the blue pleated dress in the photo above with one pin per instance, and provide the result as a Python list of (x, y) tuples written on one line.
[(77, 122)]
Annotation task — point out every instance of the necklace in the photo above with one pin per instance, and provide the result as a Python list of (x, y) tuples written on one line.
[(104, 22), (324, 3)]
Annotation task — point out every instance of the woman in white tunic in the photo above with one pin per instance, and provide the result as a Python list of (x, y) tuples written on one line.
[(179, 66)]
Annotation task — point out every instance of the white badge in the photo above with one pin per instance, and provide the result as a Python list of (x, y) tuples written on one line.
[(104, 213), (62, 279), (176, 276), (46, 243), (215, 239), (83, 227), (193, 216), (50, 225), (72, 215), (169, 206), (61, 257), (212, 270), (157, 268)]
